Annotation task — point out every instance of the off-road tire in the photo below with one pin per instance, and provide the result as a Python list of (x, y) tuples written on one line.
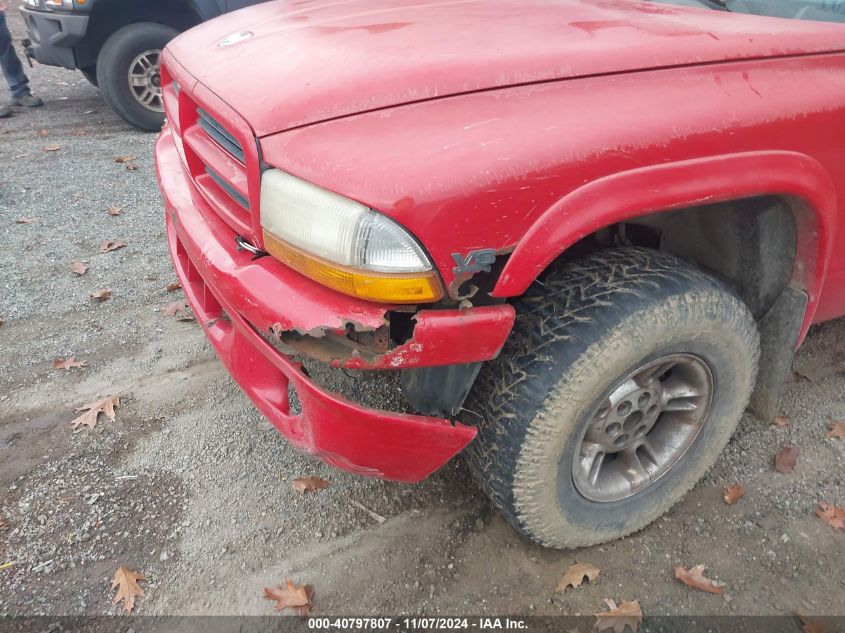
[(586, 325), (113, 70)]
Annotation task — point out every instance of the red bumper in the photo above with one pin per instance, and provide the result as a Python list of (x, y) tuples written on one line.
[(235, 297)]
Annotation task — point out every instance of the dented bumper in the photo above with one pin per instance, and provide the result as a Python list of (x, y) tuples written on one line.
[(239, 301)]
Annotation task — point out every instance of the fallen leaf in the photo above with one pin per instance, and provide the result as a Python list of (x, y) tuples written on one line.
[(291, 597), (51, 148), (111, 245), (173, 287), (126, 582), (131, 167), (92, 411), (781, 421), (626, 614), (809, 625), (125, 159), (837, 430), (177, 306), (694, 577), (733, 493), (797, 376), (114, 210), (833, 515), (786, 458), (69, 364), (43, 133), (102, 294), (310, 484), (575, 575), (80, 268), (27, 220)]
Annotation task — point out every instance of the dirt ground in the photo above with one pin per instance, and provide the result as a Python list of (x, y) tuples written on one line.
[(191, 487)]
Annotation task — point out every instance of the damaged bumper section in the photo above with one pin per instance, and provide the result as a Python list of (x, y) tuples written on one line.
[(257, 313)]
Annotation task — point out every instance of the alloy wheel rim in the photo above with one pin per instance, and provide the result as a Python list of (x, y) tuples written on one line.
[(644, 427), (145, 80)]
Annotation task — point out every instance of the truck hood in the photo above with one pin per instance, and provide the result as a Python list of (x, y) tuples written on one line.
[(291, 63)]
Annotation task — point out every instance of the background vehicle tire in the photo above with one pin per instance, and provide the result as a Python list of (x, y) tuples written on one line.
[(90, 74), (591, 344), (128, 73)]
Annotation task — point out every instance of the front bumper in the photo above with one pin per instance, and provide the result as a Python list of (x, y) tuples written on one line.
[(235, 298), (54, 36)]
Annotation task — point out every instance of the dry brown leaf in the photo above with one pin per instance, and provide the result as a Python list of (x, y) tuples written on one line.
[(781, 421), (125, 159), (107, 406), (114, 210), (43, 133), (809, 625), (69, 364), (627, 614), (833, 515), (173, 287), (51, 148), (694, 577), (176, 306), (126, 583), (786, 458), (80, 268), (797, 376), (102, 294), (575, 575), (733, 493), (131, 167), (297, 598), (111, 245), (837, 430), (310, 484), (27, 220)]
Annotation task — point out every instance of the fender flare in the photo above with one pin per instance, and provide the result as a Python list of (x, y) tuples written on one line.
[(801, 179)]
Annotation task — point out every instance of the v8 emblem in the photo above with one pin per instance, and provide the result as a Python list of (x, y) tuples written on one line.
[(475, 261)]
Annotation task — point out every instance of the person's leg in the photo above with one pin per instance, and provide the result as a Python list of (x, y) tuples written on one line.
[(12, 67)]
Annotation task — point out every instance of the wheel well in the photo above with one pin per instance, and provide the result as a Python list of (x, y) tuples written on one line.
[(108, 16), (750, 244)]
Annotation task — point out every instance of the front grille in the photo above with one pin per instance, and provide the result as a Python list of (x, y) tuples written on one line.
[(225, 186), (219, 134)]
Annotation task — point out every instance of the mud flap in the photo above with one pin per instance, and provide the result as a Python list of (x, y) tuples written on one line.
[(779, 330)]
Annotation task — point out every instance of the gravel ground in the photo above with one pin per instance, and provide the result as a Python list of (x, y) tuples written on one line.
[(190, 487)]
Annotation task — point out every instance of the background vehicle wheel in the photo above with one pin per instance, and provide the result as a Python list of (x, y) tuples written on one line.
[(623, 380), (128, 73), (90, 74)]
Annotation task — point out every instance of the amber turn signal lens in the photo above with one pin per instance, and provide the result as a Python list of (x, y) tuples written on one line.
[(382, 287)]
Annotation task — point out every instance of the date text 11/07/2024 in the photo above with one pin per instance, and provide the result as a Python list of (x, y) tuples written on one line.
[(418, 623)]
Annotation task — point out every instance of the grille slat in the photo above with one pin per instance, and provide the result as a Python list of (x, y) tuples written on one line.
[(219, 134), (225, 186)]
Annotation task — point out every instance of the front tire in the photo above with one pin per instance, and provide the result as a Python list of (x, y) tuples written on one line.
[(128, 73), (595, 348)]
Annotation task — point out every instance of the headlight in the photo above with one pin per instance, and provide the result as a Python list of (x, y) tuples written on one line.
[(343, 244), (59, 4)]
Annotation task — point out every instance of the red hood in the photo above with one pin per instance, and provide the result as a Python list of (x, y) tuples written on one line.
[(303, 61)]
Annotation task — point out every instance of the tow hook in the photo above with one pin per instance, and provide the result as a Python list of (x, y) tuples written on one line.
[(243, 245)]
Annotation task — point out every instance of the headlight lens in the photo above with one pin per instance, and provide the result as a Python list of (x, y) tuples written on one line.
[(343, 244)]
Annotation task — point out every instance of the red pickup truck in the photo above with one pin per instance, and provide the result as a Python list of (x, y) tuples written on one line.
[(582, 235)]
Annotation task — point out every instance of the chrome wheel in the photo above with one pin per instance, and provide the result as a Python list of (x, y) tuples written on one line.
[(643, 428), (145, 80)]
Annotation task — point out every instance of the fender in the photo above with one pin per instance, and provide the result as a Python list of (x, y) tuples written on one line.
[(805, 183)]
